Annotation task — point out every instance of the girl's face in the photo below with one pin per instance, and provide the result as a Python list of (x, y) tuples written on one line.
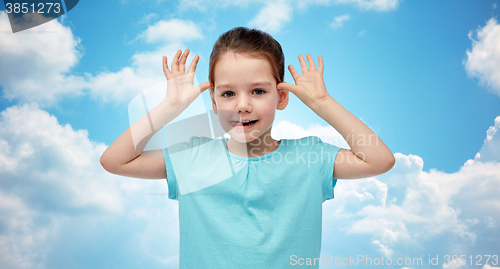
[(245, 96)]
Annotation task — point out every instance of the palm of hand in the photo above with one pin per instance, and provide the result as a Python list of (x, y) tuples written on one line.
[(310, 87), (180, 90)]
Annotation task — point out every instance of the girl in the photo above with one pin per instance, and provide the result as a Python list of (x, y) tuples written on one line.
[(249, 201)]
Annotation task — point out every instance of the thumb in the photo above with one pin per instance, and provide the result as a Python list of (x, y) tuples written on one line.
[(203, 86), (287, 87)]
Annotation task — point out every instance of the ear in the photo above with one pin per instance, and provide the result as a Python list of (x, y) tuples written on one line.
[(282, 99), (212, 97)]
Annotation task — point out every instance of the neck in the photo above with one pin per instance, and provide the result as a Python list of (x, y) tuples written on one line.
[(258, 147)]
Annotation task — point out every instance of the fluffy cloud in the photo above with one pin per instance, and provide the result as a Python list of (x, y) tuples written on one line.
[(486, 266), (377, 5), (204, 5), (489, 151), (339, 21), (172, 30), (483, 61), (408, 206), (48, 156), (286, 129), (56, 201), (36, 63), (60, 209), (145, 70), (272, 17)]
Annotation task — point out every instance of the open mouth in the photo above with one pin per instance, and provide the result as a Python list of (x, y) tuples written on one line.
[(247, 124)]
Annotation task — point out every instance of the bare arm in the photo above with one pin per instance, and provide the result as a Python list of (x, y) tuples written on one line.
[(125, 156), (368, 155)]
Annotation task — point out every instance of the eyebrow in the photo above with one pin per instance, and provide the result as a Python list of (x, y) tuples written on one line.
[(260, 83)]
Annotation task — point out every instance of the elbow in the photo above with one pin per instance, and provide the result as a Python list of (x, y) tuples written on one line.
[(383, 165), (107, 164), (388, 164), (104, 162)]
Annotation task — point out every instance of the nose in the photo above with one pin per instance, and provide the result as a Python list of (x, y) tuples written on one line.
[(243, 105)]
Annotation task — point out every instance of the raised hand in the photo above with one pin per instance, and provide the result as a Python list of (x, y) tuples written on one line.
[(309, 87), (180, 90)]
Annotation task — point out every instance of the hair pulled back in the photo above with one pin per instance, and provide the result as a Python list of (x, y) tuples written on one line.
[(254, 42)]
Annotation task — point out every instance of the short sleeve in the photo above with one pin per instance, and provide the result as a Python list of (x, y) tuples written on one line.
[(178, 159), (327, 153), (173, 189)]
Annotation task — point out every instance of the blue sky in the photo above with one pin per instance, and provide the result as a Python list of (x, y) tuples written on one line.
[(424, 75)]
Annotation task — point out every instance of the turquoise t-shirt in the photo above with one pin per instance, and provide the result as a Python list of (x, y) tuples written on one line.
[(249, 212)]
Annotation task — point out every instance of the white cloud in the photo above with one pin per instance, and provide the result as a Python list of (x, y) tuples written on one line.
[(486, 266), (144, 72), (339, 21), (173, 30), (483, 61), (454, 264), (55, 186), (20, 239), (490, 149), (383, 248), (215, 4), (377, 5), (146, 69), (408, 206), (57, 201), (286, 129), (423, 205), (49, 157), (147, 18), (272, 17), (36, 63), (35, 66), (50, 169)]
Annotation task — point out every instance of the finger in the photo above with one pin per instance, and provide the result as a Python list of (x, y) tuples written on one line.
[(194, 64), (175, 61), (303, 64), (166, 71), (311, 62), (182, 66), (203, 86), (287, 87), (321, 65), (295, 74)]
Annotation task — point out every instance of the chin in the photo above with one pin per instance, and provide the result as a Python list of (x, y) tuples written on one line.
[(242, 137)]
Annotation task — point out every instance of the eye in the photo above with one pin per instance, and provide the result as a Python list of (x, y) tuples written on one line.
[(227, 94), (259, 91)]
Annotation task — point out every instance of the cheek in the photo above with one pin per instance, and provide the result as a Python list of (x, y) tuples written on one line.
[(219, 103), (268, 109)]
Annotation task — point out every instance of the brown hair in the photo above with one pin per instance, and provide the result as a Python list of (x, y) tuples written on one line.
[(254, 42)]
